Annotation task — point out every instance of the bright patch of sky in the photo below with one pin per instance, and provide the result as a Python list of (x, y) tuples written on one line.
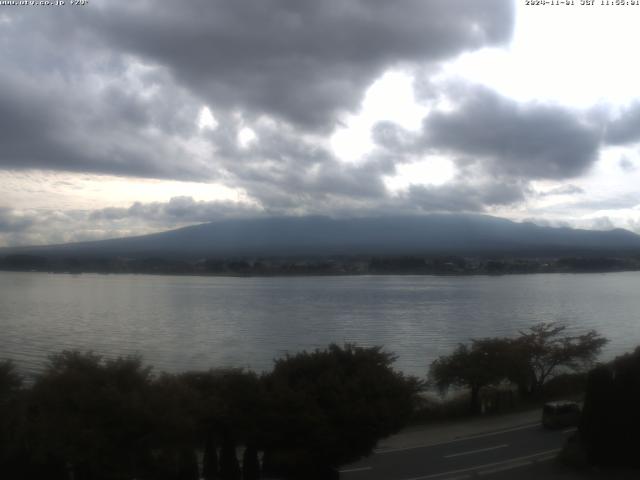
[(429, 171), (206, 120), (246, 136), (572, 55), (58, 190), (390, 98), (577, 57)]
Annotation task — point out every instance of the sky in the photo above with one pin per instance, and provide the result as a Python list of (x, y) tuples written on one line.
[(128, 117)]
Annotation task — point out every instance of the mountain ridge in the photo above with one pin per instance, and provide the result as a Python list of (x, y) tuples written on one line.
[(465, 234)]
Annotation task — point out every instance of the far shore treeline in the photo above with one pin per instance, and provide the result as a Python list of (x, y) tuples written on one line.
[(329, 265)]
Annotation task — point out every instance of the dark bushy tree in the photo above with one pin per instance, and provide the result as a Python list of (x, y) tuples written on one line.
[(10, 380), (91, 414), (210, 458), (250, 463), (229, 464), (331, 406), (174, 408), (231, 405), (93, 418), (11, 420), (611, 417), (483, 363)]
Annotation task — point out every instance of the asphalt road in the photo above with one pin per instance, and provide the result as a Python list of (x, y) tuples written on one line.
[(487, 455)]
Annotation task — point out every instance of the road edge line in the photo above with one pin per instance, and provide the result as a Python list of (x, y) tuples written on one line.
[(461, 439)]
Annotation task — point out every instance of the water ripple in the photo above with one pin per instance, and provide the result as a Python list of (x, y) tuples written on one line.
[(179, 323)]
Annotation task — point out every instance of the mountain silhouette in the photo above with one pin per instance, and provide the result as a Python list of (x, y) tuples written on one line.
[(324, 236)]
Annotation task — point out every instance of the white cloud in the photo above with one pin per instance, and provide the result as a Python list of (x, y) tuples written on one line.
[(578, 56), (32, 226), (429, 171), (246, 136), (206, 120), (390, 98), (46, 190)]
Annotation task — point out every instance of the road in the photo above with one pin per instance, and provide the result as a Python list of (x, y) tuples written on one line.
[(485, 454)]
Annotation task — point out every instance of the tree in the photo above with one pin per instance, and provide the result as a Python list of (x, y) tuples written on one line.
[(10, 380), (229, 465), (611, 417), (331, 406), (230, 411), (11, 419), (250, 463), (528, 361), (483, 363), (91, 414), (542, 351), (174, 408), (209, 459)]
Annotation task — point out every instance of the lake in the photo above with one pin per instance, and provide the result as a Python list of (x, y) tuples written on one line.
[(180, 322)]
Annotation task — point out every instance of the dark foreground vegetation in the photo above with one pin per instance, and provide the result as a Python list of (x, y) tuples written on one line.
[(543, 363), (339, 265), (85, 417), (89, 418), (608, 432)]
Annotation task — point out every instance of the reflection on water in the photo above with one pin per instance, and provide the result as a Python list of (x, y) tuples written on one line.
[(180, 323)]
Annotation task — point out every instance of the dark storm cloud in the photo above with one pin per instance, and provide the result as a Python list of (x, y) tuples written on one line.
[(67, 126), (464, 197), (33, 227), (123, 94), (283, 170), (177, 211), (11, 222), (304, 61), (625, 128), (488, 135), (497, 144), (533, 141)]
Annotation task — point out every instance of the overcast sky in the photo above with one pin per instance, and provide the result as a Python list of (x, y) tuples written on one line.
[(127, 117)]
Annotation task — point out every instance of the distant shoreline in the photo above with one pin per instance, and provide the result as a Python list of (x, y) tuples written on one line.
[(317, 275), (435, 265)]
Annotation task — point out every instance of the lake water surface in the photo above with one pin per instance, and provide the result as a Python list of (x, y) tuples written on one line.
[(180, 323)]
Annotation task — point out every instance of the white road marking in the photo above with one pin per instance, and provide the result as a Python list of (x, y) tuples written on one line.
[(505, 467), (470, 452), (461, 439), (569, 430), (359, 469), (516, 461)]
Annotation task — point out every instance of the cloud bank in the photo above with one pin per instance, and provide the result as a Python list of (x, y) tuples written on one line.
[(118, 88)]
